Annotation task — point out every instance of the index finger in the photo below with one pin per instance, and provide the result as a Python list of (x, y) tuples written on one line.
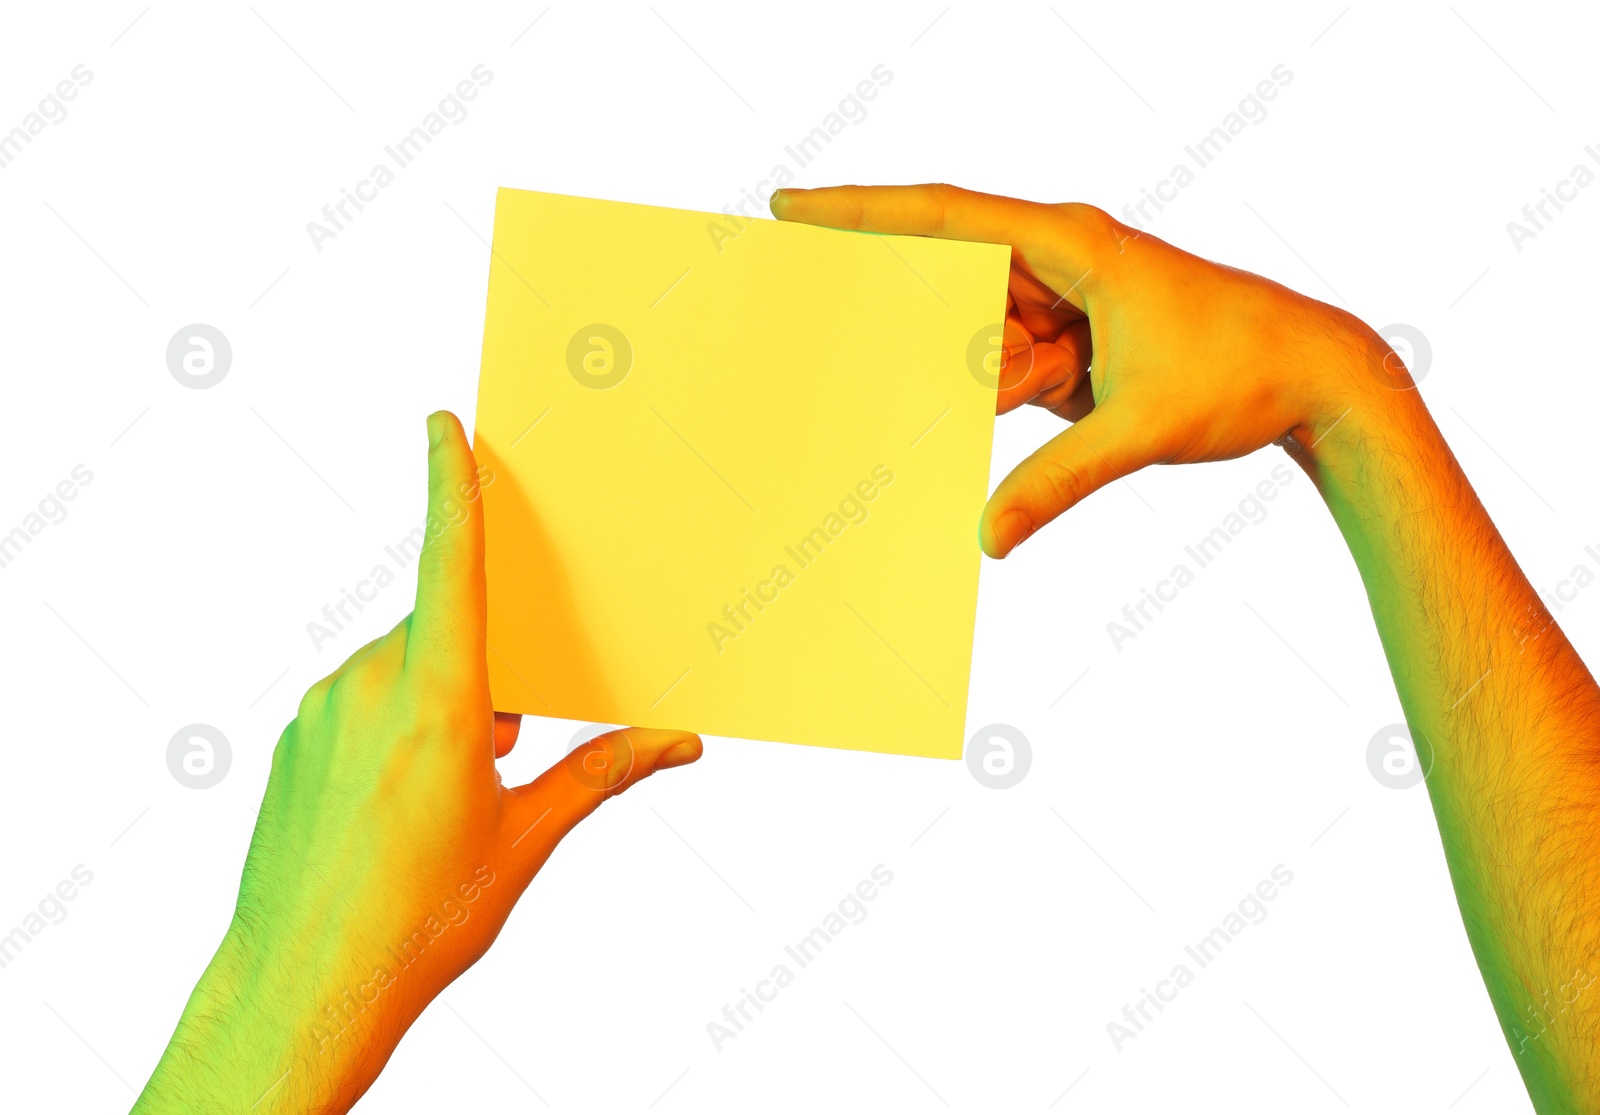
[(1055, 243)]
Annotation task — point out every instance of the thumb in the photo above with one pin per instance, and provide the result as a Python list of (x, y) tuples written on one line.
[(451, 600), (1090, 454), (543, 811)]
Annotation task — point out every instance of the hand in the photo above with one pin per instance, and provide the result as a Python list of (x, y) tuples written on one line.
[(387, 854), (1155, 355)]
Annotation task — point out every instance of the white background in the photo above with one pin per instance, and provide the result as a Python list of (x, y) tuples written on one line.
[(1171, 778)]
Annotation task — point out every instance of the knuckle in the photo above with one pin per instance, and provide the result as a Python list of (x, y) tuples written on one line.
[(357, 687), (1100, 238), (1091, 217), (1061, 483), (314, 702), (287, 748), (366, 677), (945, 197)]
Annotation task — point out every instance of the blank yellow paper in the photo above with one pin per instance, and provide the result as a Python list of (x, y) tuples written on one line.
[(738, 467)]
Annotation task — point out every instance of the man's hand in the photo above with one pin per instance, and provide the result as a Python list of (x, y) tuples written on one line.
[(1158, 356), (1155, 355), (387, 854)]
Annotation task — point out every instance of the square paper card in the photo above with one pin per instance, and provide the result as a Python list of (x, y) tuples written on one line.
[(737, 472)]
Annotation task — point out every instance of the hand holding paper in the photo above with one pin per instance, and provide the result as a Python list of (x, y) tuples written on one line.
[(1191, 361)]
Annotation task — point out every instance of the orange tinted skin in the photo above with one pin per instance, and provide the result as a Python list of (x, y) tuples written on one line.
[(383, 801), (1159, 357), (387, 854)]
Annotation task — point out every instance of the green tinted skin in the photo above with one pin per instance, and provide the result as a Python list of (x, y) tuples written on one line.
[(1158, 357), (383, 807), (1505, 717), (387, 854)]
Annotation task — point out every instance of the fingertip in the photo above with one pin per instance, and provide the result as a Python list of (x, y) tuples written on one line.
[(450, 453), (507, 726), (1000, 533), (438, 427), (986, 539), (681, 754), (779, 202)]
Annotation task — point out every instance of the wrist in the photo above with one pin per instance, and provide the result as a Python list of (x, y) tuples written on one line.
[(252, 1032), (1358, 399)]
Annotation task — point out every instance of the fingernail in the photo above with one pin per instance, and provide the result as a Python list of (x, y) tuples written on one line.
[(776, 201), (436, 428), (1008, 531), (679, 754)]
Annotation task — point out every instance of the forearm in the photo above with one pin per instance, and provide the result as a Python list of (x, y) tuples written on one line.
[(253, 1038), (1505, 718)]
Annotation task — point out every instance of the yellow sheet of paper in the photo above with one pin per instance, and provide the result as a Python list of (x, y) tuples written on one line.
[(738, 468)]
